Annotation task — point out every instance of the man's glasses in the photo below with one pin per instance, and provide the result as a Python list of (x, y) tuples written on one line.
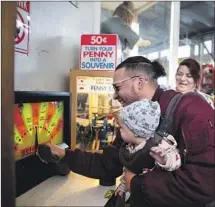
[(117, 88)]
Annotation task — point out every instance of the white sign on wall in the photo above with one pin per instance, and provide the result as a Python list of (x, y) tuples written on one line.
[(99, 52), (100, 85)]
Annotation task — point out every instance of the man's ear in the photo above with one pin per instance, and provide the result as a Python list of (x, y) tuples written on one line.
[(141, 82)]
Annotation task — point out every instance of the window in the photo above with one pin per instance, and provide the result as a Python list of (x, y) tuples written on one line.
[(196, 28), (184, 51), (196, 50), (153, 55), (164, 53), (208, 44)]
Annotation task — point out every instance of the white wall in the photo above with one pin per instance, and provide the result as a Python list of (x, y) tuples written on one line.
[(56, 28)]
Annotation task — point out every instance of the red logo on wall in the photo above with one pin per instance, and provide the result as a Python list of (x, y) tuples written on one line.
[(22, 27)]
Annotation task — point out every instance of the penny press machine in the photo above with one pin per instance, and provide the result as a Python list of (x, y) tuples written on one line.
[(93, 114)]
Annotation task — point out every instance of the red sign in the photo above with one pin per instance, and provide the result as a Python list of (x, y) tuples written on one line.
[(99, 52), (22, 27), (100, 39)]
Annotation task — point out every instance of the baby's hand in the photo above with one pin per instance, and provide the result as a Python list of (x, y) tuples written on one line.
[(118, 192), (159, 154), (121, 189)]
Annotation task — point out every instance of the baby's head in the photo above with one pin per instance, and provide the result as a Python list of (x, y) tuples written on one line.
[(141, 117)]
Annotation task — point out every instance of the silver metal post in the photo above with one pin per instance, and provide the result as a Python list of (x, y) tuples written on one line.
[(174, 42)]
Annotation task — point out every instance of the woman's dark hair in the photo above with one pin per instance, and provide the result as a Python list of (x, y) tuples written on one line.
[(126, 12), (194, 68), (139, 64)]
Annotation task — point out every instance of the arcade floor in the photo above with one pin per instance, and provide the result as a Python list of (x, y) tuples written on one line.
[(73, 190)]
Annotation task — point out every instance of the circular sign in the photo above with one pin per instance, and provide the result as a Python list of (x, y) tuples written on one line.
[(20, 36)]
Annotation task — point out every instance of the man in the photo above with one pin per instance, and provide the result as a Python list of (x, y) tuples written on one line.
[(192, 184)]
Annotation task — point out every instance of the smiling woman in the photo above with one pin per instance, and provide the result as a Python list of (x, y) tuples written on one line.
[(188, 76), (188, 79)]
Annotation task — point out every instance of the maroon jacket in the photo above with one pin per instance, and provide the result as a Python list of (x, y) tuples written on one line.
[(192, 184)]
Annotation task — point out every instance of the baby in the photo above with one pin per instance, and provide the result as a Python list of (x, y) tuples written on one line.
[(138, 122)]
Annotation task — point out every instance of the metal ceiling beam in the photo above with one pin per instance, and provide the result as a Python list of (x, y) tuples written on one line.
[(186, 4), (186, 26), (197, 17), (74, 3), (210, 3)]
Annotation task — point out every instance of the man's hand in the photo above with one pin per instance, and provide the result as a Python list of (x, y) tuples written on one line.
[(127, 176), (60, 152)]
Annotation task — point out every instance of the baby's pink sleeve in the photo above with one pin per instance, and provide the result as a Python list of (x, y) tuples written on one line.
[(173, 161)]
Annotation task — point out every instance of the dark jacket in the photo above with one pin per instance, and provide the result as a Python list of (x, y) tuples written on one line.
[(192, 184), (136, 162)]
